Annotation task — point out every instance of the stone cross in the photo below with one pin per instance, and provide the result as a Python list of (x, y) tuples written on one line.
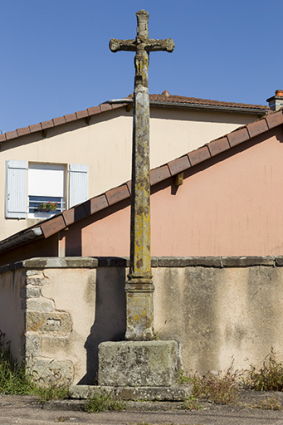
[(139, 287)]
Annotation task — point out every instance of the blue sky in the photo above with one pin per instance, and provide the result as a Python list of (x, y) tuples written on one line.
[(55, 58)]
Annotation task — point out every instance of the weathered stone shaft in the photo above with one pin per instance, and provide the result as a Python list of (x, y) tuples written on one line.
[(139, 287), (140, 213)]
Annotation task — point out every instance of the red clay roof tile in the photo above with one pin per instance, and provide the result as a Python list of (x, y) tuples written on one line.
[(11, 135), (82, 114), (94, 110), (179, 165), (159, 174), (196, 101), (69, 216), (35, 127), (118, 105), (238, 136), (273, 120), (257, 127), (47, 124), (70, 117), (98, 203), (219, 145), (59, 121), (105, 107), (23, 131), (199, 155), (129, 184), (117, 194), (52, 226)]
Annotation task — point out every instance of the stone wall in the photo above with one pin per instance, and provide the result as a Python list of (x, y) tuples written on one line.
[(220, 310)]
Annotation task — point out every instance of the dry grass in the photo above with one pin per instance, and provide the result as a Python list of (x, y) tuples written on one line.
[(222, 388), (268, 378)]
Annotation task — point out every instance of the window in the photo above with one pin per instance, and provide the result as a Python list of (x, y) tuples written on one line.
[(37, 190), (46, 189)]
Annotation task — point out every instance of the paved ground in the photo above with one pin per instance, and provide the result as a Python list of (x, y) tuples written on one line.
[(26, 410)]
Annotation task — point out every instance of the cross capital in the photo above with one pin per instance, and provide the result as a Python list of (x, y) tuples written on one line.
[(142, 45)]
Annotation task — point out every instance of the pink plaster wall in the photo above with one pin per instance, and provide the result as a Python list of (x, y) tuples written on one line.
[(232, 207)]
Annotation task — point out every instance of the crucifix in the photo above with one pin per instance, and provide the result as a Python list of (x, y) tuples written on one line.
[(139, 286)]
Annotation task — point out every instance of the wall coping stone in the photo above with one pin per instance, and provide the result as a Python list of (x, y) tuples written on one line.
[(176, 262)]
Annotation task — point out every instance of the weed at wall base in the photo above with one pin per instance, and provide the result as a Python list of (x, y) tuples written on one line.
[(100, 402), (220, 388), (13, 379), (268, 378)]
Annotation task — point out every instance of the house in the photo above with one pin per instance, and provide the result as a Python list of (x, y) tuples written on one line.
[(49, 167), (217, 232), (229, 204)]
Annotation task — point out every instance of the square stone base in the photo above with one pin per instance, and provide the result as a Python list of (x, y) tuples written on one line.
[(138, 363)]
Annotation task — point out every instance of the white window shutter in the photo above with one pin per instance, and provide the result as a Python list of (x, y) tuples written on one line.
[(16, 189), (78, 190)]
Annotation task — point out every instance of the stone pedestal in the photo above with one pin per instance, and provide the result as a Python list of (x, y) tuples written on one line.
[(138, 363)]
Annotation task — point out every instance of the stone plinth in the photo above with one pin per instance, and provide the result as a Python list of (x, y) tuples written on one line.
[(174, 393), (138, 363)]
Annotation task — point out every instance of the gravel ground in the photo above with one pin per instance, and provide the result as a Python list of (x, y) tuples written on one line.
[(27, 410)]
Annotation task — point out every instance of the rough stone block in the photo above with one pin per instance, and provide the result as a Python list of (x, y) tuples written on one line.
[(55, 343), (32, 346), (36, 280), (46, 371), (30, 292), (38, 305), (32, 272), (137, 363), (247, 261), (48, 322)]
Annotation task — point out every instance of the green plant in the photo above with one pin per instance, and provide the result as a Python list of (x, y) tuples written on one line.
[(192, 404), (222, 388), (182, 378), (268, 378), (155, 336), (13, 379), (48, 206), (51, 392), (100, 402)]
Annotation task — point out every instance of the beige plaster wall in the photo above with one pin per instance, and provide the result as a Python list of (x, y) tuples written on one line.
[(220, 316), (75, 311), (12, 285), (233, 206), (105, 145)]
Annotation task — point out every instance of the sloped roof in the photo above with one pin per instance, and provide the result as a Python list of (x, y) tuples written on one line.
[(60, 221), (164, 99)]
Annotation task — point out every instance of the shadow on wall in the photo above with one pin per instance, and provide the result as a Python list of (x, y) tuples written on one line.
[(110, 315)]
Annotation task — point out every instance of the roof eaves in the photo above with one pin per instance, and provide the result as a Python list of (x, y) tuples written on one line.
[(45, 125), (21, 238)]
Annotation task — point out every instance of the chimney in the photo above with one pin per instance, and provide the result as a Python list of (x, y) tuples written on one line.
[(276, 102)]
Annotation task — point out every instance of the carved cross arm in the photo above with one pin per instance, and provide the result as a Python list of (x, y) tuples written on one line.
[(117, 45), (167, 45)]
